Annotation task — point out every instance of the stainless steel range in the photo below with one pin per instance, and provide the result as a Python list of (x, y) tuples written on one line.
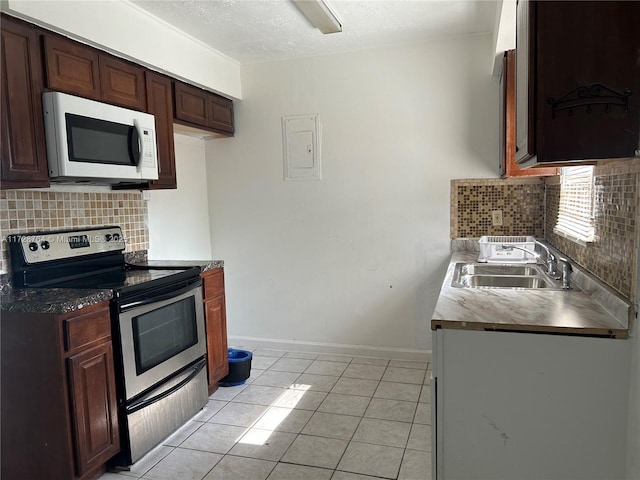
[(157, 326)]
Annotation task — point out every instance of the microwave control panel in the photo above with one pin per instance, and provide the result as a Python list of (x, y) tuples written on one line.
[(148, 148)]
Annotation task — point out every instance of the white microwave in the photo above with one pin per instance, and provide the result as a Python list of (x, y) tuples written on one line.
[(92, 142)]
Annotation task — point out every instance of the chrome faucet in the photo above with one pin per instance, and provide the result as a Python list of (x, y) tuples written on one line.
[(551, 262)]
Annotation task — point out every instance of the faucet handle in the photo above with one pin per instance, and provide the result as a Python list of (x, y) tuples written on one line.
[(566, 263), (566, 273)]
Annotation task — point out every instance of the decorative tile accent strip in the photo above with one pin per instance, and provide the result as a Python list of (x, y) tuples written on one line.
[(35, 210), (613, 257), (521, 202)]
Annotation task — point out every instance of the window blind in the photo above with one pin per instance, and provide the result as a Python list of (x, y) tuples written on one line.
[(575, 213)]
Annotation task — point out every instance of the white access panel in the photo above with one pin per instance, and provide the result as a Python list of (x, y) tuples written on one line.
[(301, 146)]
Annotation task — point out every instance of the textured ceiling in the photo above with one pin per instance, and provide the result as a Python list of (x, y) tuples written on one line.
[(253, 31)]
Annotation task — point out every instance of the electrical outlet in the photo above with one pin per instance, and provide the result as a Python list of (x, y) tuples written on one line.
[(496, 218)]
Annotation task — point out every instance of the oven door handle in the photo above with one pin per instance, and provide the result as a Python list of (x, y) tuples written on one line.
[(145, 402), (159, 298)]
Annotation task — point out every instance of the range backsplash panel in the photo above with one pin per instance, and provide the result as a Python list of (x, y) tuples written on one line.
[(35, 210)]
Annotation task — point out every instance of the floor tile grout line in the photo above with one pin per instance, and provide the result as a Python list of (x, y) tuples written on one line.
[(315, 410)]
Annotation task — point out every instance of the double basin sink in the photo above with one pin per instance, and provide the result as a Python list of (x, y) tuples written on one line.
[(497, 275)]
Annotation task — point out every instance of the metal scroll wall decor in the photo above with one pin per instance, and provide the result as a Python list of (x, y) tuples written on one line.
[(588, 96)]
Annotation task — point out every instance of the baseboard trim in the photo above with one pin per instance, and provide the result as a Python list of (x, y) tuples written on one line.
[(335, 348)]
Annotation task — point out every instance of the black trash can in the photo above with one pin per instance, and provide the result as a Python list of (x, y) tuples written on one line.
[(239, 368)]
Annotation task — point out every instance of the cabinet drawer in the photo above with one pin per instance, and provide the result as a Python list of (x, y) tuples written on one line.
[(86, 329), (213, 284)]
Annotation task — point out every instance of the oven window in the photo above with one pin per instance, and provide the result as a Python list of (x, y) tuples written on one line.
[(164, 332)]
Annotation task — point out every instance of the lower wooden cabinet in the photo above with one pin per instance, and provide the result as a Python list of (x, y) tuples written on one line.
[(59, 404), (93, 406), (216, 327)]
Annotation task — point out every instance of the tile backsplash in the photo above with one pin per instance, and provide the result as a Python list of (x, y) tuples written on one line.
[(530, 207), (520, 200), (613, 256), (35, 210)]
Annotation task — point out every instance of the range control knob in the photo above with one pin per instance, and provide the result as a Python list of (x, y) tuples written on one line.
[(45, 245), (33, 246)]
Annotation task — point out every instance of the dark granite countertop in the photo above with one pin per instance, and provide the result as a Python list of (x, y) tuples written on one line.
[(64, 300), (50, 300)]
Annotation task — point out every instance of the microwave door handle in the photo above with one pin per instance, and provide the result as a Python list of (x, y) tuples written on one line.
[(137, 146)]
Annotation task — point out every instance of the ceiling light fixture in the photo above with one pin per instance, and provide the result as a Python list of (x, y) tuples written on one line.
[(319, 15)]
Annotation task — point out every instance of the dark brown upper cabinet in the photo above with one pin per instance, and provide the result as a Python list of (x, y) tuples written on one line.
[(122, 83), (84, 71), (160, 104), (24, 162), (508, 165), (578, 81), (35, 60), (72, 67), (199, 108)]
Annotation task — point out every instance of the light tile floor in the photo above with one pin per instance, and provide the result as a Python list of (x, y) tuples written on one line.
[(305, 416)]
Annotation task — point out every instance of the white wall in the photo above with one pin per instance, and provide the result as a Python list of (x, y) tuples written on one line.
[(128, 31), (357, 258), (179, 219)]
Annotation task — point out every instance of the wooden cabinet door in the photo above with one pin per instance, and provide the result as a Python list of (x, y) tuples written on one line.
[(192, 104), (72, 67), (216, 326), (525, 82), (507, 123), (122, 83), (23, 161), (204, 109), (221, 117), (93, 407), (160, 104), (586, 59)]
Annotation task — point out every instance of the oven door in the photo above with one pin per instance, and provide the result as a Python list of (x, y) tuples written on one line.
[(161, 332)]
